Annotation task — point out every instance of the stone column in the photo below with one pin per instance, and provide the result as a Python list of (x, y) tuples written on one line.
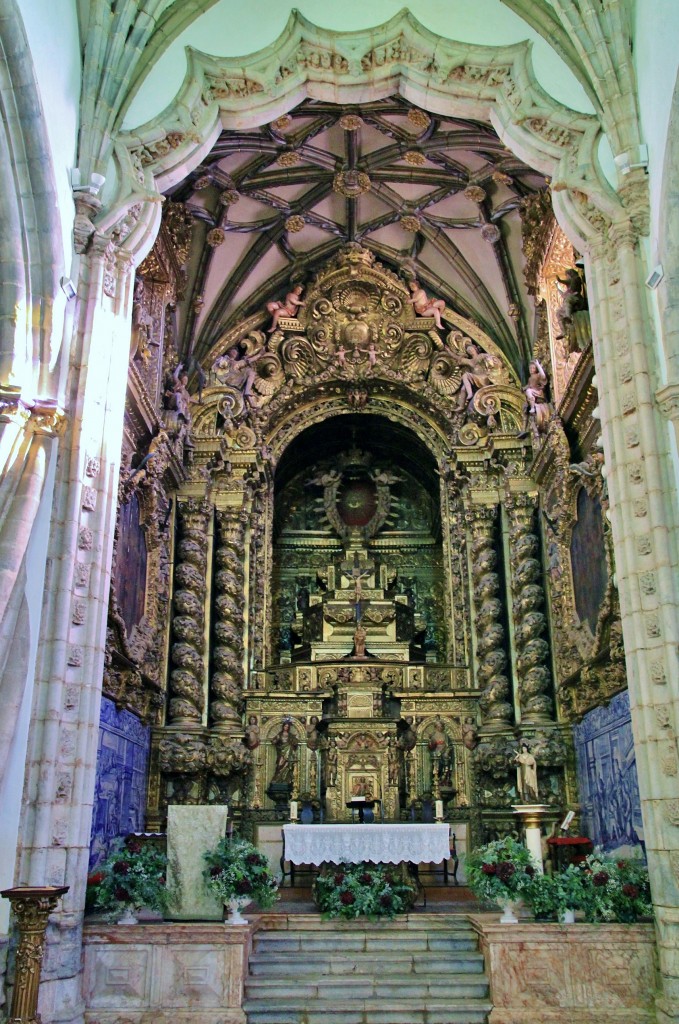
[(491, 651), (644, 520), (187, 698), (530, 622), (62, 749), (226, 680)]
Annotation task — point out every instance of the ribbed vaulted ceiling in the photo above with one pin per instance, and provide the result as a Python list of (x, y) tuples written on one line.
[(432, 197)]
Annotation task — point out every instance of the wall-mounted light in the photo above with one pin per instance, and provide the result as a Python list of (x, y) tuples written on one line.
[(631, 159), (655, 277), (97, 182), (67, 287)]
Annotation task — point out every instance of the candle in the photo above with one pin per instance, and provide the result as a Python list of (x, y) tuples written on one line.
[(439, 809), (293, 810)]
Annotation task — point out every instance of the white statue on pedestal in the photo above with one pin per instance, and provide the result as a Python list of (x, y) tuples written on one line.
[(527, 773)]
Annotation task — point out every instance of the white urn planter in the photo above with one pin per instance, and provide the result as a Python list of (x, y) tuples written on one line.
[(508, 915), (128, 916), (234, 906)]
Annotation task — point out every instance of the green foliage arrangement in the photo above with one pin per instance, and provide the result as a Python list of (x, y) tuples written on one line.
[(615, 890), (236, 869), (550, 895), (602, 888), (500, 872), (132, 876), (363, 890)]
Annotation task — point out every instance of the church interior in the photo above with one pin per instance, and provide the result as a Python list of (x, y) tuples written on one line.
[(338, 434)]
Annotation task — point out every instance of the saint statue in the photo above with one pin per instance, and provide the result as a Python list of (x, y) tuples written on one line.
[(477, 373), (527, 773), (286, 755)]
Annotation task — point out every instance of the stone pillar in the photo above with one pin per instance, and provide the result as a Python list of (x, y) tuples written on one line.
[(530, 622), (490, 634), (187, 698), (644, 521), (62, 749), (226, 680)]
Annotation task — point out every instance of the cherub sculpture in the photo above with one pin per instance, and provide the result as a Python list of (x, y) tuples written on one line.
[(287, 307), (477, 373), (424, 306), (236, 371)]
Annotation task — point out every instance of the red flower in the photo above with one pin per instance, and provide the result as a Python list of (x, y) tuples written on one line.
[(489, 869), (243, 886), (530, 871), (133, 845), (386, 899), (504, 870), (96, 878), (254, 858), (621, 865), (600, 878), (121, 867), (339, 878), (121, 893), (366, 879), (347, 898), (630, 890), (215, 870)]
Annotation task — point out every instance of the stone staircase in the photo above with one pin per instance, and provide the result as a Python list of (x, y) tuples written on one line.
[(415, 970)]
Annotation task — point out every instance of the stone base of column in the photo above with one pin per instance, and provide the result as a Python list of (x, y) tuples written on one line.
[(531, 817)]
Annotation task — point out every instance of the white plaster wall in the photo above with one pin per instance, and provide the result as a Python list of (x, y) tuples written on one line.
[(13, 783), (53, 38), (656, 58), (233, 29)]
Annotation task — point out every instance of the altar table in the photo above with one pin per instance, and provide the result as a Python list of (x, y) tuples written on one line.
[(380, 844)]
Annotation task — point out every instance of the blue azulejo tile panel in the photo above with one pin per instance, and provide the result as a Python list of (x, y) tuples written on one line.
[(120, 788), (607, 777)]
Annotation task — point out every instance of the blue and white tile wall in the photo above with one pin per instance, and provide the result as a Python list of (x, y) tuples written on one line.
[(120, 788), (607, 778)]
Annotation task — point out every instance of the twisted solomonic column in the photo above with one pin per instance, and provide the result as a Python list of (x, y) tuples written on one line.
[(490, 634), (226, 680), (530, 623), (188, 624)]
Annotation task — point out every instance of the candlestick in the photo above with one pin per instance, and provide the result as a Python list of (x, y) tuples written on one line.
[(293, 810), (438, 810)]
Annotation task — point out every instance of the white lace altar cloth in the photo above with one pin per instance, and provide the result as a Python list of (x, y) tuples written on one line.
[(381, 844)]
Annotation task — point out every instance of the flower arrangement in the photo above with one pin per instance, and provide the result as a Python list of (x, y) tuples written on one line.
[(615, 890), (604, 889), (236, 869), (131, 877), (356, 890), (500, 872)]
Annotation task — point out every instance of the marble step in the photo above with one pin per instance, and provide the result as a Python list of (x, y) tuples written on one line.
[(414, 922), (334, 942), (282, 964), (401, 1011), (453, 987)]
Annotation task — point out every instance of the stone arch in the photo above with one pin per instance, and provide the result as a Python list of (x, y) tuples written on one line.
[(399, 56), (668, 245), (30, 245)]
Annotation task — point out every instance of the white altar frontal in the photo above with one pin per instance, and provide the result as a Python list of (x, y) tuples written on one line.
[(379, 844)]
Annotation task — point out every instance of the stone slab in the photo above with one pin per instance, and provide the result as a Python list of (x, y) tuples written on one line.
[(191, 832)]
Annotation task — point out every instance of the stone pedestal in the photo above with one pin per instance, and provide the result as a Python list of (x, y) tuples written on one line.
[(531, 817), (544, 973), (191, 832), (165, 973)]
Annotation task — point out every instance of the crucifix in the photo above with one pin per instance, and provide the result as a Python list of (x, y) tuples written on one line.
[(357, 572)]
